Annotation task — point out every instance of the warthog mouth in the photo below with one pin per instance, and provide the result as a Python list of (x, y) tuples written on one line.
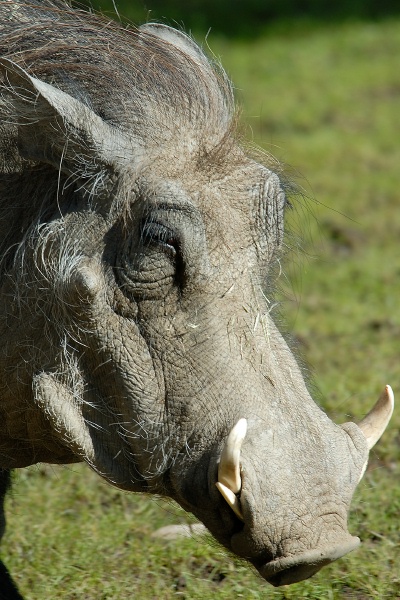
[(284, 571)]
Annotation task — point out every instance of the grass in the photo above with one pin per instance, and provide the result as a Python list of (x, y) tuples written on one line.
[(326, 100)]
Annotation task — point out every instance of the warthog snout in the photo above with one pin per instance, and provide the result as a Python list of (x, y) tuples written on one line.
[(292, 569), (293, 520)]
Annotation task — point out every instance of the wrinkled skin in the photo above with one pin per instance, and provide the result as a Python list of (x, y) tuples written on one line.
[(135, 311)]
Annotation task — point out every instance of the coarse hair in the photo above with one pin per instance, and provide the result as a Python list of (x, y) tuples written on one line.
[(165, 94)]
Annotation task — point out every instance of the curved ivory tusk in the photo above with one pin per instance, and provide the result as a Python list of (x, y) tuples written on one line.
[(229, 466), (375, 422), (231, 499)]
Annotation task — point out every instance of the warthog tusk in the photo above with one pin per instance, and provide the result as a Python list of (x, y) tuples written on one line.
[(229, 466), (229, 479), (375, 422), (231, 499)]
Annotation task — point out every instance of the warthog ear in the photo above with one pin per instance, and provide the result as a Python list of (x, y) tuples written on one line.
[(176, 38), (53, 127)]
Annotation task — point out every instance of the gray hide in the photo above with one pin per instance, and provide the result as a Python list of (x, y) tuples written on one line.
[(137, 238)]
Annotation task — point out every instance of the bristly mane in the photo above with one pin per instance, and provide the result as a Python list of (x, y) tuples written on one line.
[(132, 79)]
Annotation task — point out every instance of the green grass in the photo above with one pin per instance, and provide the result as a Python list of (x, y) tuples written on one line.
[(326, 101)]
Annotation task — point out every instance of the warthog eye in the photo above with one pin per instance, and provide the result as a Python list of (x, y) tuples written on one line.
[(153, 233)]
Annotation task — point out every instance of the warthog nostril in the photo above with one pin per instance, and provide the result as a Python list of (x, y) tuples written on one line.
[(284, 571)]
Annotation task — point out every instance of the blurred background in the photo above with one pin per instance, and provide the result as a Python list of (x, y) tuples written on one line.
[(249, 17)]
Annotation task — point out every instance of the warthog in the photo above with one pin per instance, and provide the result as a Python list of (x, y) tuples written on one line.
[(137, 241)]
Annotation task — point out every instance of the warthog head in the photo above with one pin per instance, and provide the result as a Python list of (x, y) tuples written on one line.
[(137, 241)]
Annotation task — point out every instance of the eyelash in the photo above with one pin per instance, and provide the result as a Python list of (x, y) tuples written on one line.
[(154, 233)]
